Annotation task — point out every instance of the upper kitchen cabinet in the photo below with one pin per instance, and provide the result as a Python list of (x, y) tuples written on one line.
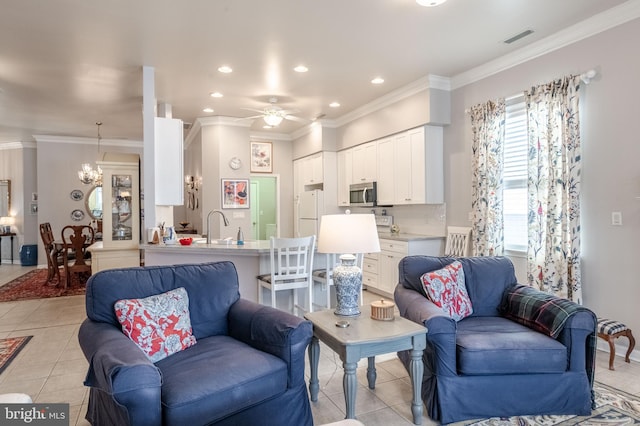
[(365, 163), (410, 167), (420, 177), (345, 176), (169, 163), (385, 192), (312, 170)]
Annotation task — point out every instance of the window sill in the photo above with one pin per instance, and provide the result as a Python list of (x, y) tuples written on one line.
[(516, 253)]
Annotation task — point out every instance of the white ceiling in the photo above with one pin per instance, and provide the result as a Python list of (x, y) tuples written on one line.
[(66, 64)]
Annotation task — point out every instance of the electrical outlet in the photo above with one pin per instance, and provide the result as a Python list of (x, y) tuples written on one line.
[(238, 215), (616, 218)]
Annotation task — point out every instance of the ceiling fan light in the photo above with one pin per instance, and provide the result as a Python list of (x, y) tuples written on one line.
[(272, 119), (430, 3)]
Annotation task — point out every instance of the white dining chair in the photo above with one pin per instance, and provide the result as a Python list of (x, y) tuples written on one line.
[(291, 260), (458, 239), (324, 276)]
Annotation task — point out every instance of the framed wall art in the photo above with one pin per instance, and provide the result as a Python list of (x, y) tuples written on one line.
[(261, 157), (235, 193)]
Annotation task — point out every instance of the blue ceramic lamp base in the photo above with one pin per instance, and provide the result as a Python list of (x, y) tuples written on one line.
[(347, 278)]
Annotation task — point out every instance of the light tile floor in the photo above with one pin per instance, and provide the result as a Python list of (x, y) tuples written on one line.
[(51, 368)]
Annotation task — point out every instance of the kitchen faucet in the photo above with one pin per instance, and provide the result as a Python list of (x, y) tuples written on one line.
[(224, 218)]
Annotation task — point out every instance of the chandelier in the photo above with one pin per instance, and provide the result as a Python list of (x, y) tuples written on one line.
[(87, 174)]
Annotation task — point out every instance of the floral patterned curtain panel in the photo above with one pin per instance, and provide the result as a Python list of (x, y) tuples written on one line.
[(554, 188), (487, 125)]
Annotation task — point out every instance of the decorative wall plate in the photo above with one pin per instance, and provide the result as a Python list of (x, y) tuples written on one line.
[(76, 195), (77, 215)]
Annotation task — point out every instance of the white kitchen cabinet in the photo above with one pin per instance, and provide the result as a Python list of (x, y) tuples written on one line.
[(298, 185), (312, 170), (365, 162), (410, 167), (370, 270), (386, 172), (419, 166), (168, 160), (345, 176), (380, 273)]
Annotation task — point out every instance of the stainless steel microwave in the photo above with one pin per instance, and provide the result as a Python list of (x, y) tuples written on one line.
[(362, 194)]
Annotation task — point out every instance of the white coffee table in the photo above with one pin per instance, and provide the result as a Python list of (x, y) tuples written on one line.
[(366, 337)]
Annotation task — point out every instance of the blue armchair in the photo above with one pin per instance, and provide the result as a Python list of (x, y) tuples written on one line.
[(247, 366), (496, 362)]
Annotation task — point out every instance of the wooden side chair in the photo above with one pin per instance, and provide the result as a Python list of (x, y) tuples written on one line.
[(75, 240), (458, 239), (291, 263), (54, 257)]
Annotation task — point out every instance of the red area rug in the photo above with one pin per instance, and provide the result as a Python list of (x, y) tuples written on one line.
[(32, 285), (9, 348)]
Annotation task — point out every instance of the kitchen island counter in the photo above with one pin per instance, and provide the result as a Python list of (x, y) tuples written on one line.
[(250, 259)]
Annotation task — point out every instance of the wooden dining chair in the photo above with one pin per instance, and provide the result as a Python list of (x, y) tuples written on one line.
[(76, 239), (54, 258)]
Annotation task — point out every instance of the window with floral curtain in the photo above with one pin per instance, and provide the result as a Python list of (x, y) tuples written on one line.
[(553, 255), (487, 124), (552, 184)]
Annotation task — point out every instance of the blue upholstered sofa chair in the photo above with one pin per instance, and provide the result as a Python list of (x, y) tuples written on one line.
[(247, 367), (488, 365)]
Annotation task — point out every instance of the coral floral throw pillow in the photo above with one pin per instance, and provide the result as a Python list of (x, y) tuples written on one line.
[(160, 325), (446, 288)]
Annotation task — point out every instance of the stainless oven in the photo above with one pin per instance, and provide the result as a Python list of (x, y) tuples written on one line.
[(362, 194)]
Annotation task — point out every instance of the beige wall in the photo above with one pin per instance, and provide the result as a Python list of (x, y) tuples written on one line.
[(58, 160), (610, 172)]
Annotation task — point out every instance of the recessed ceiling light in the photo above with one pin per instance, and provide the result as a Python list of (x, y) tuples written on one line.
[(430, 3), (225, 69), (334, 104), (207, 110), (301, 68), (377, 80), (216, 95)]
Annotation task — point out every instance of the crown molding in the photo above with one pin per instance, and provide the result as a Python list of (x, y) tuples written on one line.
[(215, 120), (87, 141), (427, 82), (267, 137), (608, 19), (222, 120), (16, 145)]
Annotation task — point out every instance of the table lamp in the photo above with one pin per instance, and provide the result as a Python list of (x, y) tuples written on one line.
[(5, 224), (348, 234)]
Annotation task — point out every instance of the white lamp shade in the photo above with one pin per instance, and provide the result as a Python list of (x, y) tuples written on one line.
[(348, 233)]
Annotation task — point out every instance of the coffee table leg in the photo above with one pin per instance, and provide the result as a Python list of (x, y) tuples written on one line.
[(314, 356), (371, 372), (349, 385), (417, 368)]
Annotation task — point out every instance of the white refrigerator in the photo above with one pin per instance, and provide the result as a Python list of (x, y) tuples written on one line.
[(309, 209)]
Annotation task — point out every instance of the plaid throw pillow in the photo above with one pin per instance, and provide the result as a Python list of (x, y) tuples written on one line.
[(160, 325), (446, 288)]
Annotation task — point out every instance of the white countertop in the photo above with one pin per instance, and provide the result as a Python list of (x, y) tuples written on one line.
[(249, 248), (407, 237)]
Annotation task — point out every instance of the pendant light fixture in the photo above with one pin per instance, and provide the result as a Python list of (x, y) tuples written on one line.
[(87, 174)]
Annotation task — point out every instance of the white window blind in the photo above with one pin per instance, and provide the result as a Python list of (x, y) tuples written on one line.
[(515, 175)]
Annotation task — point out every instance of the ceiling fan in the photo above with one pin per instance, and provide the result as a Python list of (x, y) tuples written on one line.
[(273, 115)]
